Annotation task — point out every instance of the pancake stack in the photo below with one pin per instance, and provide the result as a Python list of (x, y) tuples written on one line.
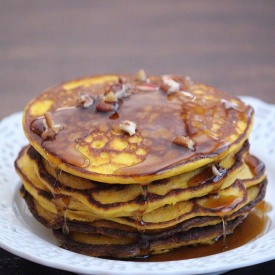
[(130, 166)]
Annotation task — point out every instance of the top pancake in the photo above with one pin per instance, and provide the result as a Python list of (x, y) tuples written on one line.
[(180, 126)]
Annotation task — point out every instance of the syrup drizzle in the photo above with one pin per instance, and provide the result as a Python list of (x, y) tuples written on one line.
[(256, 224), (222, 204), (61, 203), (70, 151), (224, 223), (65, 227), (58, 173), (65, 144), (188, 117), (139, 216), (201, 178), (144, 244)]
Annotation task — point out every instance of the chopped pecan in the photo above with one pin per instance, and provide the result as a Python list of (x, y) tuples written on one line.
[(52, 129), (128, 127), (114, 87), (147, 87), (86, 100), (105, 107), (121, 80), (49, 120), (141, 76), (185, 141), (110, 97), (117, 90), (216, 171), (169, 85), (123, 91)]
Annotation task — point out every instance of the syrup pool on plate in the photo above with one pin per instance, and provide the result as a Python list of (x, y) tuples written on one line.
[(252, 227)]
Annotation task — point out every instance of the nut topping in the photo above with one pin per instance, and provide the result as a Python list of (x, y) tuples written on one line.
[(215, 171), (188, 95), (147, 87), (170, 85), (123, 91), (110, 97), (185, 141), (121, 80), (51, 129), (105, 107), (86, 100), (141, 76), (128, 127)]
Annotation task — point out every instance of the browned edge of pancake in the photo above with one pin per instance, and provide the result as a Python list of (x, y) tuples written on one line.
[(180, 233)]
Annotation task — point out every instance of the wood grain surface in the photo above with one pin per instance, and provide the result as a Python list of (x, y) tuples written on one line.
[(227, 44)]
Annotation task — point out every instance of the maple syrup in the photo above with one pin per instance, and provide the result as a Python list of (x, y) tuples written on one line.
[(139, 215), (145, 244), (222, 204), (253, 226), (154, 112)]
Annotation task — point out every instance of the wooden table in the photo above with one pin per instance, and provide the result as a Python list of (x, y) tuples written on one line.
[(228, 44)]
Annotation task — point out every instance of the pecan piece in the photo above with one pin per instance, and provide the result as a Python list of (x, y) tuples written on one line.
[(123, 91), (52, 129), (141, 76), (216, 171), (128, 127), (184, 141), (86, 100), (104, 107), (147, 87), (169, 85), (121, 80), (110, 97)]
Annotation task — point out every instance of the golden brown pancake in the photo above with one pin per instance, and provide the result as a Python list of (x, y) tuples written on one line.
[(80, 227), (108, 239), (129, 166), (179, 126), (94, 199)]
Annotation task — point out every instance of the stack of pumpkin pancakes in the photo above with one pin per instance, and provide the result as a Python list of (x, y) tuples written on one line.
[(130, 166)]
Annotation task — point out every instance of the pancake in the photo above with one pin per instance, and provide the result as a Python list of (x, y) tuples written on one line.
[(116, 201), (104, 239), (191, 222), (130, 166), (79, 127)]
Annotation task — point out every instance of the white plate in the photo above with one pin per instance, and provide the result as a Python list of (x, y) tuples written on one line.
[(22, 235)]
